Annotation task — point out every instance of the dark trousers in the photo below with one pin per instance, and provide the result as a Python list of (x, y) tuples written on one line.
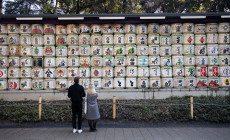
[(77, 109)]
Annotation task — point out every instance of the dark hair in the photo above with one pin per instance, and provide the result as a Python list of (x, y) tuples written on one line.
[(76, 80)]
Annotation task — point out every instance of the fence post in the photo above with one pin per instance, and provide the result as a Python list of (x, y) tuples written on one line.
[(191, 107), (39, 107), (114, 107)]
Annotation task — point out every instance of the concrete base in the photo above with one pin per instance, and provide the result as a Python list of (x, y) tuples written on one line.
[(20, 95)]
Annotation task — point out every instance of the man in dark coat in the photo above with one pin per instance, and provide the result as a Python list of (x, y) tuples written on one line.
[(75, 93)]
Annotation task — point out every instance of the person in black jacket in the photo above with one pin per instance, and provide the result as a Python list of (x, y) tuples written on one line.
[(75, 93)]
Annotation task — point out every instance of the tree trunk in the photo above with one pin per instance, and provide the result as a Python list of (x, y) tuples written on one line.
[(1, 12), (78, 7), (124, 6)]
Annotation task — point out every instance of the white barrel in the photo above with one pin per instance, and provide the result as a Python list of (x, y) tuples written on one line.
[(131, 60), (212, 38), (61, 51), (38, 40), (3, 29), (37, 51), (96, 40), (13, 84), (178, 82), (177, 50), (49, 72), (13, 28), (201, 60), (13, 39), (200, 39), (25, 50), (189, 60), (84, 72), (212, 49), (49, 40), (178, 71), (190, 71), (224, 49), (154, 60), (165, 50), (188, 49), (25, 72), (84, 82), (72, 29), (120, 61), (188, 27), (130, 39), (108, 61), (188, 39), (119, 71), (107, 83), (96, 29), (213, 60), (224, 82), (84, 61), (142, 50), (177, 39), (70, 82), (142, 60), (73, 50), (211, 27), (3, 39), (61, 72), (119, 83), (202, 82), (143, 83), (166, 61), (13, 50), (61, 29), (143, 71), (201, 71), (131, 71), (118, 39), (118, 28), (107, 28), (119, 50), (224, 70), (154, 71), (190, 82), (84, 39), (96, 50), (166, 71), (96, 61), (49, 62), (154, 50), (96, 72), (155, 82), (61, 62), (49, 84), (4, 61), (25, 39), (141, 29), (131, 83), (223, 27), (200, 50), (37, 84), (107, 50), (72, 40), (141, 40), (165, 29), (167, 82), (177, 60), (37, 29), (153, 39), (96, 82), (223, 38), (176, 28), (165, 40), (153, 28), (3, 73), (72, 72), (224, 60), (73, 61), (37, 61), (26, 62), (37, 73), (200, 29), (14, 62), (3, 84), (61, 84), (49, 51), (84, 50), (213, 71), (130, 28), (25, 84), (49, 29), (61, 40), (84, 28), (13, 72), (107, 72), (131, 50)]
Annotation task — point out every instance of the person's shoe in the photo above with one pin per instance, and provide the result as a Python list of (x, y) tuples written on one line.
[(79, 130), (74, 130)]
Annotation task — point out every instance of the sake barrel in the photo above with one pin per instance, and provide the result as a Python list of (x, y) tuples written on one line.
[(190, 82), (13, 39), (188, 49), (49, 51), (38, 40), (141, 29), (73, 50), (96, 29), (96, 40), (84, 82), (142, 60), (107, 50), (25, 50), (61, 72), (201, 71), (107, 83), (212, 38), (223, 38), (3, 73), (211, 27), (25, 72), (224, 71), (200, 50), (72, 72), (153, 28), (61, 84), (61, 51), (154, 60), (96, 72), (212, 49), (37, 51), (14, 62), (199, 29), (13, 50), (166, 61), (201, 60), (61, 40), (142, 50), (177, 60), (165, 50), (141, 40), (108, 61), (131, 71), (224, 60), (143, 83), (176, 28), (190, 71), (84, 61), (72, 40), (119, 83), (96, 82), (38, 84), (72, 29), (13, 28), (131, 60), (49, 72), (213, 60), (84, 28), (178, 82), (165, 29), (120, 61), (84, 50), (25, 39), (213, 71), (177, 38), (73, 61), (4, 61), (224, 49), (167, 82), (37, 29), (131, 83), (37, 73), (61, 29), (119, 72), (130, 39), (189, 60), (154, 50), (130, 28), (224, 81), (49, 29), (49, 40), (202, 82), (84, 72), (118, 28), (143, 71), (13, 72), (107, 28), (166, 71), (3, 84), (154, 71), (177, 50), (3, 29), (131, 50), (200, 39), (4, 51), (153, 39), (96, 61), (188, 27), (49, 62), (223, 27), (119, 50), (107, 39), (119, 39), (155, 82), (165, 40), (61, 62), (107, 72), (49, 84), (3, 39), (70, 82), (188, 39), (84, 39), (178, 71), (37, 61), (25, 84), (13, 84)]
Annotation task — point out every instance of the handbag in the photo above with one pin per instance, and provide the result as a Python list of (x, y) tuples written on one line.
[(85, 109)]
